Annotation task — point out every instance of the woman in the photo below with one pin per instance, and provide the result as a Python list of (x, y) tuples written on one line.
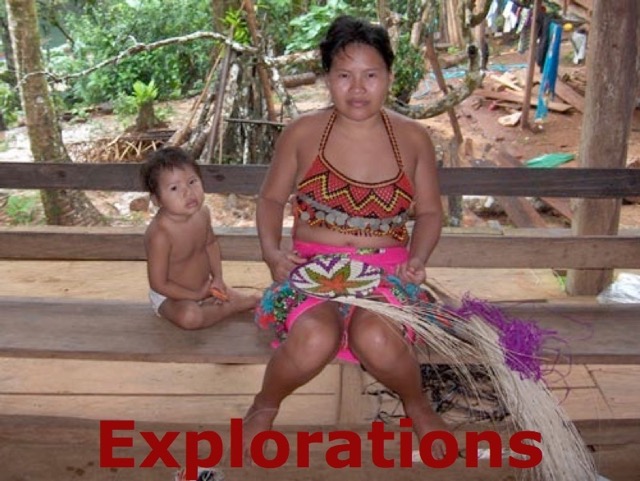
[(357, 171)]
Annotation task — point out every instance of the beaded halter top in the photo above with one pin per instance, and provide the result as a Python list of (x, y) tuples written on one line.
[(328, 198)]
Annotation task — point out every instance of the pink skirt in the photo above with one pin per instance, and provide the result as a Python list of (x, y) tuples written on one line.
[(282, 304)]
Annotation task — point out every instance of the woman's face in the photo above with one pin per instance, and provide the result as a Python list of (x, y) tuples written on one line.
[(358, 81)]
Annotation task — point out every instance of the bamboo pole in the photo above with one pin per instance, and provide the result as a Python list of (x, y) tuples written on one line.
[(262, 72), (524, 119), (224, 74)]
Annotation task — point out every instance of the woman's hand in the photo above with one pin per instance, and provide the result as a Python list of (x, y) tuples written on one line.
[(281, 263), (412, 272)]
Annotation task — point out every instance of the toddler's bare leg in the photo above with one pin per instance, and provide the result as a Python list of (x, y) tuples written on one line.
[(184, 314), (312, 343), (215, 310), (384, 353), (191, 315)]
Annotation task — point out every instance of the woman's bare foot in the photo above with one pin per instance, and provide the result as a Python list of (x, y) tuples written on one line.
[(425, 420), (257, 420)]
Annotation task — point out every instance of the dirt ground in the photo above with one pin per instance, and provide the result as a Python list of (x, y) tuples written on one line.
[(478, 118)]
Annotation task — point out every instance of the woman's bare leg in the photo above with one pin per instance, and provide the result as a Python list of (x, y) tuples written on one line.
[(384, 353), (312, 342)]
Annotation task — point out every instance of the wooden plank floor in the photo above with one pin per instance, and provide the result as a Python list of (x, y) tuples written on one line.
[(32, 449)]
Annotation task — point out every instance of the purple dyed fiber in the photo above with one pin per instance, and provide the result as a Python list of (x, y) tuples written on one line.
[(520, 340)]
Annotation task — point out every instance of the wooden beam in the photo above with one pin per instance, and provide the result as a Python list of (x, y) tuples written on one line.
[(520, 210), (535, 248), (246, 179), (518, 99), (504, 159), (566, 93), (586, 4), (238, 179)]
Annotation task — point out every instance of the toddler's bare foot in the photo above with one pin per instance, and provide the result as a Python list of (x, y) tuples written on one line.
[(243, 301), (257, 420)]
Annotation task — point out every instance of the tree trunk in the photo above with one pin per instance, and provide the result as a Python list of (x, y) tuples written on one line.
[(383, 11), (146, 119), (609, 103), (62, 207), (10, 76), (454, 32), (217, 9)]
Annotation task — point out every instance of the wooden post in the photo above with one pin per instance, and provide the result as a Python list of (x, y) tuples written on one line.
[(352, 405), (609, 104), (526, 102), (455, 202)]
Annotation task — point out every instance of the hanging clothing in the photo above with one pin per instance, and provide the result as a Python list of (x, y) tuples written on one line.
[(524, 29), (550, 71)]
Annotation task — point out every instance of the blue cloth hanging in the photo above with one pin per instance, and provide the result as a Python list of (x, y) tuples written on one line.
[(549, 71)]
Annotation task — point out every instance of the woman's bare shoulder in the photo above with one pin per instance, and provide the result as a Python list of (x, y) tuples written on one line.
[(403, 122), (409, 131), (309, 121)]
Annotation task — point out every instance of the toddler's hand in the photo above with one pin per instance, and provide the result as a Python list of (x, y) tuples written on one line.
[(218, 290)]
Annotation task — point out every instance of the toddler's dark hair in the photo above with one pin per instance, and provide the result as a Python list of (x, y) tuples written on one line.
[(166, 158), (346, 30)]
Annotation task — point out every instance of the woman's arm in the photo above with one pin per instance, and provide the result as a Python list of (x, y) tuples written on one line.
[(428, 207), (276, 189)]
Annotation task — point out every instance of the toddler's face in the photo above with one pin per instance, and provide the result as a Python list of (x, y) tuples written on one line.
[(180, 191)]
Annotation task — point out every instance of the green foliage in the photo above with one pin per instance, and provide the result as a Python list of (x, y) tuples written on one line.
[(308, 29), (144, 93), (22, 209), (9, 103), (104, 29), (408, 69), (561, 279), (235, 20), (126, 106), (274, 17)]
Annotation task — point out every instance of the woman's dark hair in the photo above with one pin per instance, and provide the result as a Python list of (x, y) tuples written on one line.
[(166, 158), (346, 30)]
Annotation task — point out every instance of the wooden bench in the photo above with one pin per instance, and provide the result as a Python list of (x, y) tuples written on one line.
[(129, 331)]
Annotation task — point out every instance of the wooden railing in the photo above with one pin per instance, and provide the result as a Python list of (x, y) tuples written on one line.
[(485, 248)]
